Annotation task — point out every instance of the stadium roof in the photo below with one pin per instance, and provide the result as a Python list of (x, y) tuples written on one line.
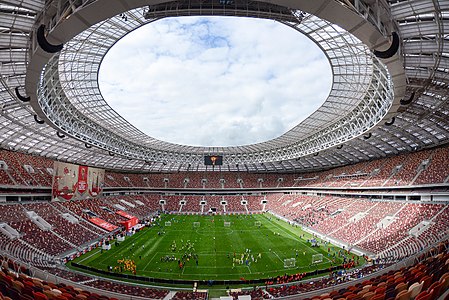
[(363, 117)]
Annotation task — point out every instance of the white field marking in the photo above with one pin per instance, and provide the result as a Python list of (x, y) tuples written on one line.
[(213, 253), (239, 267), (227, 232), (296, 238), (146, 265), (220, 229), (150, 250), (278, 257), (89, 256)]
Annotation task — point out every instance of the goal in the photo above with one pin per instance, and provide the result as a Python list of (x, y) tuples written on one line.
[(227, 224), (317, 258), (257, 224), (168, 223), (196, 224), (289, 262)]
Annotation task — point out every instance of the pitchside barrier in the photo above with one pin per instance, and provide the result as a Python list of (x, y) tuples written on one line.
[(145, 279)]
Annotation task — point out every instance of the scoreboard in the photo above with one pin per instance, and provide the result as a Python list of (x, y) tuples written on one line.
[(213, 160)]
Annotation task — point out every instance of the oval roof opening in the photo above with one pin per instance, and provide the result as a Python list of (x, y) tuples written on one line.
[(215, 81)]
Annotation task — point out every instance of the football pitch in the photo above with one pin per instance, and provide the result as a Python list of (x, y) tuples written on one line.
[(221, 247)]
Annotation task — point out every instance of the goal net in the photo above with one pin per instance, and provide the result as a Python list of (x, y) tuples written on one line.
[(317, 258), (227, 224), (257, 224), (167, 223), (196, 224), (289, 262)]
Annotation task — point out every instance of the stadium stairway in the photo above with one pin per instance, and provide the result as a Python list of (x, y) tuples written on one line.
[(439, 213), (421, 169), (393, 173), (170, 295), (269, 296), (447, 180), (37, 256), (10, 177), (88, 281), (366, 236), (61, 208), (64, 239), (224, 206), (390, 249)]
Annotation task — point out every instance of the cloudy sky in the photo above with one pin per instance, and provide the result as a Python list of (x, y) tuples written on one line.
[(213, 81)]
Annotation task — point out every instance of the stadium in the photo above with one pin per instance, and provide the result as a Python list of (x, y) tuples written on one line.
[(349, 203)]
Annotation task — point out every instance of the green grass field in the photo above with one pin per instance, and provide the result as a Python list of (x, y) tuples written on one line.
[(214, 246)]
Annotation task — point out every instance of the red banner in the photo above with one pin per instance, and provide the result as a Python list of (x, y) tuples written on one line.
[(96, 178), (132, 220), (77, 182), (130, 223), (82, 179), (64, 192), (103, 224), (124, 214)]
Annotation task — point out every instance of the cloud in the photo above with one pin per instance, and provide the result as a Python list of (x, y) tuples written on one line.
[(215, 81)]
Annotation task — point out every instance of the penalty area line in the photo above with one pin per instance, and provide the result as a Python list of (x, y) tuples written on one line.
[(278, 257), (89, 256)]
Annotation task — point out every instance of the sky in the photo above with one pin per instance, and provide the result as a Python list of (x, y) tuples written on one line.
[(215, 81)]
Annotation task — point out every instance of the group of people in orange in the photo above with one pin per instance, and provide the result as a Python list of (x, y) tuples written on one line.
[(126, 265)]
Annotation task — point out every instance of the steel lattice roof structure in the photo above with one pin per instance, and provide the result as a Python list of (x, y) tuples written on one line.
[(389, 60)]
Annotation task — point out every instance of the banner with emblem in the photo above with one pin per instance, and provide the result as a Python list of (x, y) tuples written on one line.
[(74, 182)]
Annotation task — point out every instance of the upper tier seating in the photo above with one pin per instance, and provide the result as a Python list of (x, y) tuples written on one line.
[(24, 169), (416, 168)]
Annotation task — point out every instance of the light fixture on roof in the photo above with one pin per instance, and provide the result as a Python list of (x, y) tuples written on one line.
[(390, 51), (390, 122), (407, 102), (38, 121), (123, 16), (43, 43), (21, 98)]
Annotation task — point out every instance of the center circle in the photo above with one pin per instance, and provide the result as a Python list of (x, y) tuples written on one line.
[(215, 81)]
